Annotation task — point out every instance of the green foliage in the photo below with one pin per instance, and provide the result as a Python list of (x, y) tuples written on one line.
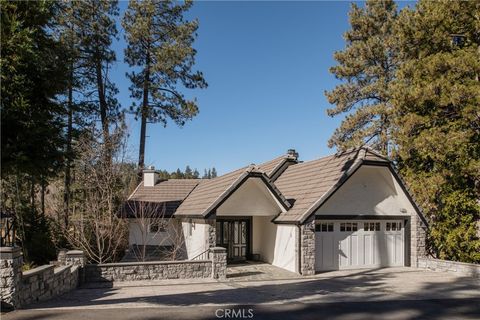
[(160, 46), (32, 75), (367, 66), (187, 174), (413, 80)]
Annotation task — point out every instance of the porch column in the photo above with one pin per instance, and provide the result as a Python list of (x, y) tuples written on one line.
[(211, 235), (219, 263), (11, 261)]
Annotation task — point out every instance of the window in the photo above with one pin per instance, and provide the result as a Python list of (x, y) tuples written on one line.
[(371, 226), (393, 226), (156, 227), (348, 226), (324, 227)]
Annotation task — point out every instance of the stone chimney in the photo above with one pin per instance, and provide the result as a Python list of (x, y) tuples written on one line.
[(292, 154), (150, 177)]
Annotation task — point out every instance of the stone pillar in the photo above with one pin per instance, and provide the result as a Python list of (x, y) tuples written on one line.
[(75, 258), (211, 236), (418, 232), (219, 262), (62, 256), (11, 262), (307, 252)]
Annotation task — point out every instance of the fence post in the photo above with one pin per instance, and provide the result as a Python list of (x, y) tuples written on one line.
[(219, 263), (11, 262)]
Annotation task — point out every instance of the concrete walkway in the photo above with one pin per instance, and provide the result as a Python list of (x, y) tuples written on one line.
[(394, 293), (258, 271)]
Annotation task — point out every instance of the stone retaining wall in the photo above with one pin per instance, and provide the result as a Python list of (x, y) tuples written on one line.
[(155, 270), (460, 268), (19, 288), (215, 268), (46, 281)]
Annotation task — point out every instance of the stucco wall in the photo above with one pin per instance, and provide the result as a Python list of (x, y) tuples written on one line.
[(275, 243), (253, 198), (198, 240), (139, 234), (371, 190)]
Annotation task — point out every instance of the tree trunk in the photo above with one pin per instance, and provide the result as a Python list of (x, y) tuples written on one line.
[(102, 101), (66, 194), (144, 112)]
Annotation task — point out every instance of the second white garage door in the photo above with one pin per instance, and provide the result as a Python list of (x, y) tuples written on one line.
[(358, 244)]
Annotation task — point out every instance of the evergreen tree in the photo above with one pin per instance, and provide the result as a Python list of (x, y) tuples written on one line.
[(436, 98), (366, 66), (97, 29), (205, 174), (188, 173), (214, 172), (33, 75), (196, 174), (160, 47)]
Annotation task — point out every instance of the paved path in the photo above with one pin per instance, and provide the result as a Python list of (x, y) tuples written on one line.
[(395, 293)]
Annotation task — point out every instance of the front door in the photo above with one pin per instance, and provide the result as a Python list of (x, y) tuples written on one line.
[(233, 235)]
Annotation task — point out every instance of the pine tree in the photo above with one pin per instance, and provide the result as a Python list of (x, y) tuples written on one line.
[(214, 172), (96, 19), (188, 173), (436, 98), (205, 174), (160, 46), (366, 66), (196, 174), (33, 76)]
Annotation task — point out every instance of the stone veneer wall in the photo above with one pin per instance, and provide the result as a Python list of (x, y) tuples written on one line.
[(460, 268), (155, 270), (46, 282), (215, 268), (22, 288), (307, 239), (212, 226), (10, 275), (417, 239)]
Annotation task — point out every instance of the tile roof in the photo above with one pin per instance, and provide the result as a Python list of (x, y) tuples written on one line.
[(301, 188), (305, 183), (165, 190), (207, 195)]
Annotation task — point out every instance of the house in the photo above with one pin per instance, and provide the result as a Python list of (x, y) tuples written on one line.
[(343, 211)]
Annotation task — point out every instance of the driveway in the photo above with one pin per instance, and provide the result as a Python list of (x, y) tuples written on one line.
[(394, 293)]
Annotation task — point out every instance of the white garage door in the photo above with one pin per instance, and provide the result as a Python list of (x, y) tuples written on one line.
[(359, 244)]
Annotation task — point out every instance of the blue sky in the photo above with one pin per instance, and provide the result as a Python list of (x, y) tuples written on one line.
[(266, 64)]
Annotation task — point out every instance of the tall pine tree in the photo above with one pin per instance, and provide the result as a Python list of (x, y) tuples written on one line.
[(437, 120), (160, 46), (366, 67)]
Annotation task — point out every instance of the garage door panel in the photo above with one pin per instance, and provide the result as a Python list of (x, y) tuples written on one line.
[(356, 244)]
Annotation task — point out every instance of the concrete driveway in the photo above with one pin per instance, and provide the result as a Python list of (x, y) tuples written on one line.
[(393, 293)]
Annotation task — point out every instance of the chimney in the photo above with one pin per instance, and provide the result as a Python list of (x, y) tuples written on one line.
[(292, 154), (150, 177)]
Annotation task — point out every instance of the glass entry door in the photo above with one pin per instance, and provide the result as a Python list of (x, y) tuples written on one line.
[(233, 235)]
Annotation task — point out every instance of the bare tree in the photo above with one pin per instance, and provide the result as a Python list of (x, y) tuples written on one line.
[(153, 227), (100, 189)]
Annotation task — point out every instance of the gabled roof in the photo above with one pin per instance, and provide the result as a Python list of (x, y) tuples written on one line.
[(300, 188), (309, 182), (166, 196), (210, 194)]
